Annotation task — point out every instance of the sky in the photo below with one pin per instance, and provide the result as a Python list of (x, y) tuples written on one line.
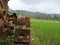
[(44, 6)]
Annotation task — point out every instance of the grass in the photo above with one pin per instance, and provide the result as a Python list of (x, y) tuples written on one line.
[(45, 32)]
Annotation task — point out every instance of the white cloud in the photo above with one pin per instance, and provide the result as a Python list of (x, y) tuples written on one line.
[(17, 5), (47, 6), (31, 1)]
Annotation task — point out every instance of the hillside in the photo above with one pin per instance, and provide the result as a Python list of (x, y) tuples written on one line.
[(36, 15)]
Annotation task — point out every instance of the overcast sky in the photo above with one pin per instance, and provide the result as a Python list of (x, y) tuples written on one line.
[(45, 6)]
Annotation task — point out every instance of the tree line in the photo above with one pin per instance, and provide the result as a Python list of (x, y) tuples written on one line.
[(36, 15)]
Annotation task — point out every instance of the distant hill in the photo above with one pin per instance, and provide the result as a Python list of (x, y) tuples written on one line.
[(36, 15)]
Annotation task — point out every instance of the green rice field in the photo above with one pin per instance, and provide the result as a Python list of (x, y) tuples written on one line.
[(45, 32)]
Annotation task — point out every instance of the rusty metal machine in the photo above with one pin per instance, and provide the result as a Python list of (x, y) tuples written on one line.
[(13, 25)]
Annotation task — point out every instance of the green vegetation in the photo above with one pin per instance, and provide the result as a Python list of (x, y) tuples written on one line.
[(6, 40), (36, 15), (45, 32)]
